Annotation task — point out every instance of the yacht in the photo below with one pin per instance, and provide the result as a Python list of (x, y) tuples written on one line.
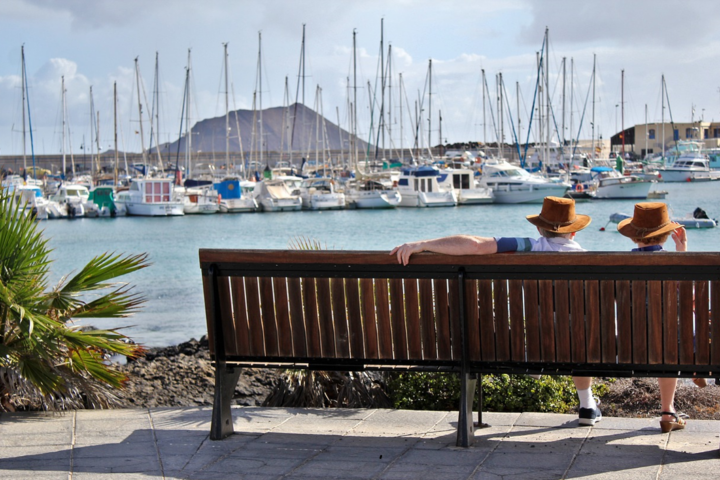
[(462, 181), (319, 194), (688, 167), (512, 184), (274, 196), (31, 201), (235, 195), (418, 187), (69, 201), (151, 197), (370, 194), (201, 199), (612, 184), (101, 203)]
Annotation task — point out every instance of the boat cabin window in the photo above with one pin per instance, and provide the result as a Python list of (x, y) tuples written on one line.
[(157, 192), (461, 181)]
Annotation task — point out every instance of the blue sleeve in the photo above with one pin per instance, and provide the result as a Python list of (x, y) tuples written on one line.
[(511, 244)]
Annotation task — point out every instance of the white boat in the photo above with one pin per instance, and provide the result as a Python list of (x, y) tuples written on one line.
[(612, 184), (319, 194), (686, 163), (31, 200), (199, 200), (512, 184), (371, 194), (274, 196), (151, 197), (418, 187), (236, 195), (462, 181), (71, 199)]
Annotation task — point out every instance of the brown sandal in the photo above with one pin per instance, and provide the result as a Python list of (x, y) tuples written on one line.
[(668, 426), (700, 382)]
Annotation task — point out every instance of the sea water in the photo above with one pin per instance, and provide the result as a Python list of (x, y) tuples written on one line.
[(172, 285)]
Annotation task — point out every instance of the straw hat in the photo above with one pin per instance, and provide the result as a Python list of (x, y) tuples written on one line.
[(558, 215), (650, 219)]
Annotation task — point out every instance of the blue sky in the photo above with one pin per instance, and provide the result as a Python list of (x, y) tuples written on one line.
[(94, 43)]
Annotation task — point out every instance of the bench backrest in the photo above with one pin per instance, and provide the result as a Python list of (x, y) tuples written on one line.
[(643, 314)]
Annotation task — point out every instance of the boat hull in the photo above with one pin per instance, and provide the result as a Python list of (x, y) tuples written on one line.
[(427, 199), (238, 205), (374, 199), (169, 209), (524, 194), (637, 190)]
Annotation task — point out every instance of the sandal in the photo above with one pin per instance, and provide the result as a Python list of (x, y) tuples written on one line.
[(700, 382), (668, 426)]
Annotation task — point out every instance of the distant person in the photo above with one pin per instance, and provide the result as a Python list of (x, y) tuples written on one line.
[(557, 224), (649, 228)]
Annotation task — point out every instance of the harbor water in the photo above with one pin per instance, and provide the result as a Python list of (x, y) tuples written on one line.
[(172, 286)]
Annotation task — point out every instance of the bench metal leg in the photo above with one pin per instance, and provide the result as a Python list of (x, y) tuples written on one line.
[(226, 379), (465, 430)]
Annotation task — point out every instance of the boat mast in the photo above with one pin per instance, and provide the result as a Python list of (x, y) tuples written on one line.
[(227, 109), (259, 65), (547, 97), (400, 95), (562, 136), (572, 66), (519, 122), (115, 139), (593, 110), (354, 105), (622, 109), (22, 76), (501, 136), (26, 103), (156, 108), (430, 107), (92, 129), (142, 136), (188, 128), (62, 93), (389, 109), (484, 101), (662, 95), (646, 133)]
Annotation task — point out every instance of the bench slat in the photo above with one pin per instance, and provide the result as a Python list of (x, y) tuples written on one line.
[(517, 320), (702, 328), (454, 313), (472, 320), (687, 340), (592, 315), (226, 315), (577, 321), (382, 302), (312, 319), (715, 316), (412, 314), (562, 321), (282, 317), (369, 321), (208, 294), (607, 321), (532, 320), (397, 317), (655, 322), (639, 321), (442, 315), (427, 319), (299, 338), (670, 322), (355, 323), (327, 332), (252, 297), (339, 320), (502, 335), (547, 320), (487, 320), (624, 321), (242, 334), (268, 316)]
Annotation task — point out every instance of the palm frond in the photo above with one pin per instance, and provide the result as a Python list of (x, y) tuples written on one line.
[(101, 269)]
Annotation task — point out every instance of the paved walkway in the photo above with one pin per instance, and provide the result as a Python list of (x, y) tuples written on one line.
[(276, 443)]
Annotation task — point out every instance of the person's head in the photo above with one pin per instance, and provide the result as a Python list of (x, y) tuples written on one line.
[(558, 219), (649, 225)]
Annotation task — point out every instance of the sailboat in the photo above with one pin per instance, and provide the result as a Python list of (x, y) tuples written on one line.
[(149, 196)]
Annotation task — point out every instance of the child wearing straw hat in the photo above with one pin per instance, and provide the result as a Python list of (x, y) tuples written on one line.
[(557, 224), (650, 227)]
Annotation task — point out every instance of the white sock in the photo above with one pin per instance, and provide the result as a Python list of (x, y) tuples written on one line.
[(586, 398)]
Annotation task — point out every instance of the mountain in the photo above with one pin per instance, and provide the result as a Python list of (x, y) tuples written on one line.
[(209, 134)]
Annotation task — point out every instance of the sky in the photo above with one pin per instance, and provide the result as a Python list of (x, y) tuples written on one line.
[(94, 43)]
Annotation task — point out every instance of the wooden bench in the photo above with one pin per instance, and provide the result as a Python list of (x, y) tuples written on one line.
[(587, 314)]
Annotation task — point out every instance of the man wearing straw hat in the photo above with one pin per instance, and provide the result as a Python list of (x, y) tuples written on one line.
[(557, 224)]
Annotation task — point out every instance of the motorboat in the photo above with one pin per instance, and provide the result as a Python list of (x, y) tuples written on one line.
[(418, 187), (688, 164), (613, 184), (31, 200), (274, 196), (319, 194), (462, 181), (101, 203), (371, 194), (513, 184), (151, 197), (200, 200), (235, 195), (70, 200)]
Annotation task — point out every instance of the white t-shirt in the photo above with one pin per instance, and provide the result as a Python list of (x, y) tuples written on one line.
[(542, 244)]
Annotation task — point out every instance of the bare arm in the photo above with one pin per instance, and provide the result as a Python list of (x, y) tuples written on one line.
[(454, 245)]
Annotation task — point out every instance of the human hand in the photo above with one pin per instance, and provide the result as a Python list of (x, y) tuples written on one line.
[(679, 236), (404, 251)]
